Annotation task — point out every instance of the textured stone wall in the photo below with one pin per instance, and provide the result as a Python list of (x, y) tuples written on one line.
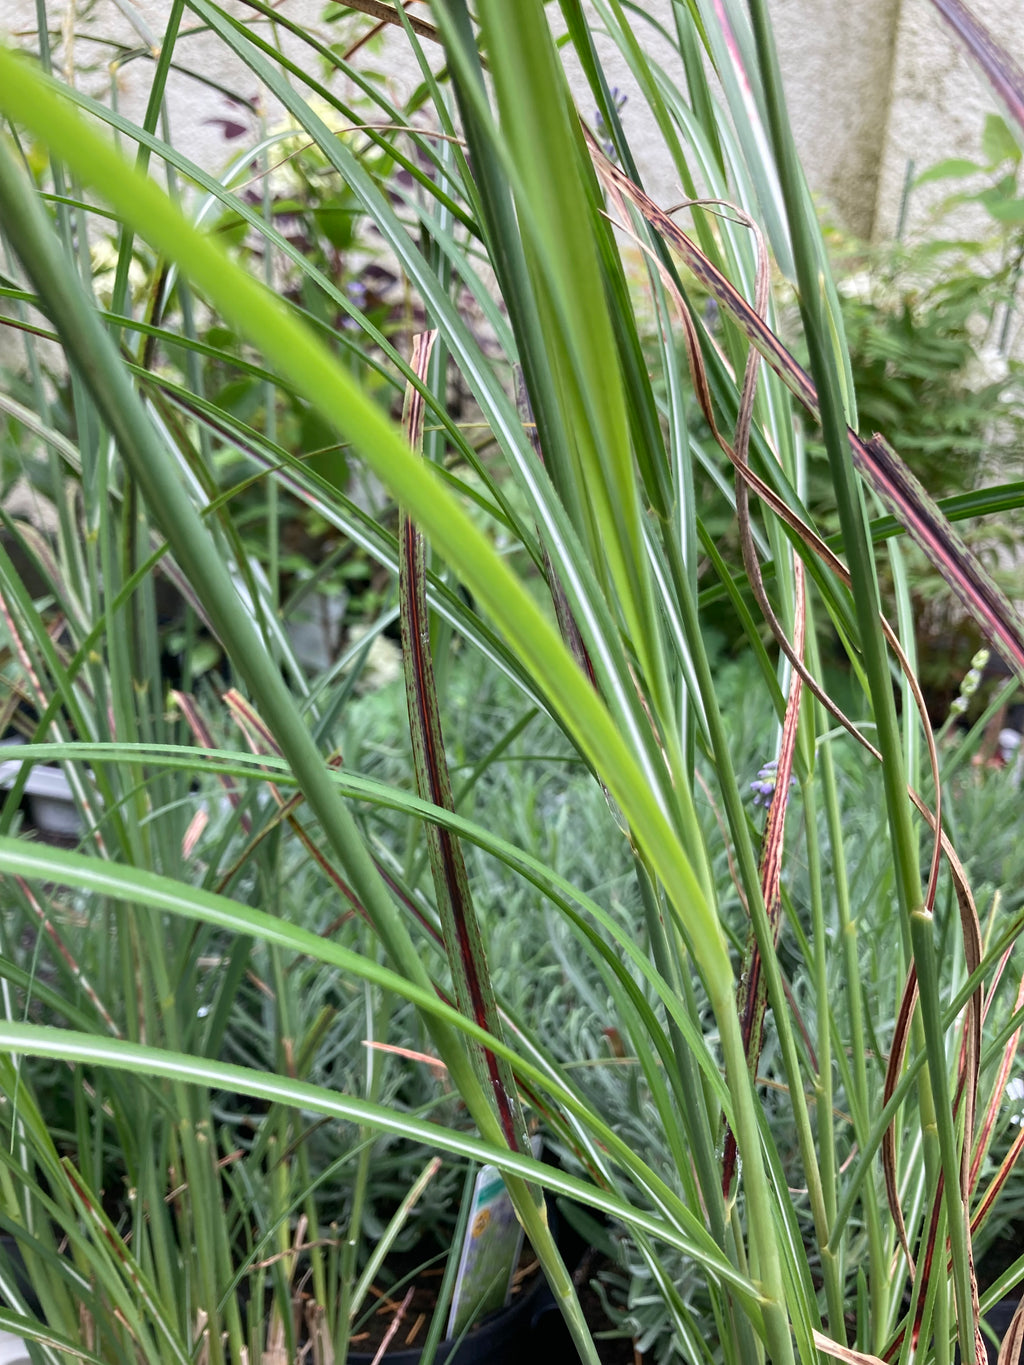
[(939, 98), (837, 59), (871, 84)]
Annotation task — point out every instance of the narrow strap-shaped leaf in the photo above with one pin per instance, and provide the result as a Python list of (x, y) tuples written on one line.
[(908, 501), (900, 490), (459, 925), (1009, 1352), (752, 997), (845, 1353), (967, 1091), (998, 1089)]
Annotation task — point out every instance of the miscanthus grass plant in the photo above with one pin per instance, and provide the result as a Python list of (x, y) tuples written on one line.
[(819, 1034)]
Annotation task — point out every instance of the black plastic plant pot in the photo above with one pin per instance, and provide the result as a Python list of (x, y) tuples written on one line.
[(998, 1317), (502, 1338), (13, 1263)]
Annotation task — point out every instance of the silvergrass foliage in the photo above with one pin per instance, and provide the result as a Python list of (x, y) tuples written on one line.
[(771, 1048)]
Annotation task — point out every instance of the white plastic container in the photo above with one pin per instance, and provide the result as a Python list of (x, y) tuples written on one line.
[(51, 803), (13, 1350)]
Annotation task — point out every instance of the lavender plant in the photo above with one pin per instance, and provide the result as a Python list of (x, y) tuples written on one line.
[(818, 1041)]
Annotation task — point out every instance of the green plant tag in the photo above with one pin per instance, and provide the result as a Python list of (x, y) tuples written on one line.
[(490, 1251)]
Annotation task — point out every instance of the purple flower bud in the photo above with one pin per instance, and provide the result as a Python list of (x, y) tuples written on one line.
[(764, 787)]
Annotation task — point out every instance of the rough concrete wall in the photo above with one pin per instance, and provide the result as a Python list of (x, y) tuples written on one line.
[(842, 60), (939, 100), (837, 60), (104, 34)]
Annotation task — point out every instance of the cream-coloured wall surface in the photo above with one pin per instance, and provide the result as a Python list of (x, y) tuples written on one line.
[(871, 85), (939, 99), (837, 60), (207, 88)]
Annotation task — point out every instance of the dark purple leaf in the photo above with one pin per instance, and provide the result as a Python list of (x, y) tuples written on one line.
[(228, 127)]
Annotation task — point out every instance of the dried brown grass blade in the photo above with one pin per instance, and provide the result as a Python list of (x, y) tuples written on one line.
[(319, 1331), (845, 1353), (1005, 1067), (1009, 1351), (903, 494), (805, 532), (393, 1327)]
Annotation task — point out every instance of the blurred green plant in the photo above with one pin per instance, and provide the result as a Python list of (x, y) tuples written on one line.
[(930, 323)]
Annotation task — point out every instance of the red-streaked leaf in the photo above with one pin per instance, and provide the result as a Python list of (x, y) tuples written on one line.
[(925, 1270), (460, 930), (970, 1050), (998, 1090), (909, 502), (988, 1199), (752, 997), (387, 14), (901, 1035)]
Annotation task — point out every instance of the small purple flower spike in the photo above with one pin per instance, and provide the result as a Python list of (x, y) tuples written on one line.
[(764, 787)]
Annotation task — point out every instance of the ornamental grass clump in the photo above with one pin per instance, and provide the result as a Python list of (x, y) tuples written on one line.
[(811, 1014)]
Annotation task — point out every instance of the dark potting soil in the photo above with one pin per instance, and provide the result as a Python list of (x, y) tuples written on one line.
[(413, 1323), (402, 1317), (547, 1339), (997, 1259), (551, 1343), (613, 1347)]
